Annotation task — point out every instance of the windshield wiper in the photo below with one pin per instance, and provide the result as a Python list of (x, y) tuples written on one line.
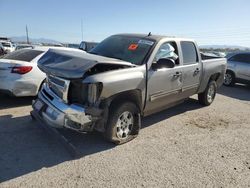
[(114, 57), (93, 53)]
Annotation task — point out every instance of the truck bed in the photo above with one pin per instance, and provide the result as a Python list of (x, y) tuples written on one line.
[(212, 66)]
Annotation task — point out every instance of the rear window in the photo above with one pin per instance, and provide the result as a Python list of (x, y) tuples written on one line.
[(23, 55), (189, 53)]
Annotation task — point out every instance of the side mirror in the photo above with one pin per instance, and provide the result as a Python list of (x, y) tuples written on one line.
[(82, 46), (165, 63)]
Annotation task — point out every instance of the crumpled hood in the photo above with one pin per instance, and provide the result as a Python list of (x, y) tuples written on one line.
[(73, 64)]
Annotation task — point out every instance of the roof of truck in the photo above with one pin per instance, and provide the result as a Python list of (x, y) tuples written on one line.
[(154, 37)]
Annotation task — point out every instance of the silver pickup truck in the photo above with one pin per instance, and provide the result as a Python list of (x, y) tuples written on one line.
[(125, 77)]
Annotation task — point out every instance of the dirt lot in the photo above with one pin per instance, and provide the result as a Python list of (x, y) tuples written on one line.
[(185, 146)]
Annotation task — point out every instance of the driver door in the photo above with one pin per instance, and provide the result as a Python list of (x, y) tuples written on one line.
[(164, 84)]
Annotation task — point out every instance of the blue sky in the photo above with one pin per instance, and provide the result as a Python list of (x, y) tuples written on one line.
[(209, 22)]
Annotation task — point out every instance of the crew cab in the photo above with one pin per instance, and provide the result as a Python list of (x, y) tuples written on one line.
[(123, 78)]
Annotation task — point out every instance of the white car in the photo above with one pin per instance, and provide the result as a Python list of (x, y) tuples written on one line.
[(22, 46), (7, 45), (19, 74)]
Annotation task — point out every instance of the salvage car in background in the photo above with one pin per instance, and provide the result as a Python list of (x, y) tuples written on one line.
[(22, 46), (19, 74), (123, 78), (8, 47), (238, 68), (2, 51), (87, 46)]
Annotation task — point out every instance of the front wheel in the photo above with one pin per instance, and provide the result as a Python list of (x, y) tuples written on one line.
[(123, 123), (207, 97)]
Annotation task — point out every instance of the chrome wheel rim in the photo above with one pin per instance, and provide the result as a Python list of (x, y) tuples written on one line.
[(228, 79), (124, 125), (211, 93)]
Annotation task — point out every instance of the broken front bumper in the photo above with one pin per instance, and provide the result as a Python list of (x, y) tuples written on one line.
[(56, 113)]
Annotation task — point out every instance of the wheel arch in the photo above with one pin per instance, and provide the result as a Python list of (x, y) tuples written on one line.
[(230, 70), (217, 77), (214, 77), (134, 96)]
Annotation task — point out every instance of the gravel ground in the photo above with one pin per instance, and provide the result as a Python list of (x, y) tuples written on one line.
[(185, 146)]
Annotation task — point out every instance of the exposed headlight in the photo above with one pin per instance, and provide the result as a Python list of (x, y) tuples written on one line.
[(94, 92)]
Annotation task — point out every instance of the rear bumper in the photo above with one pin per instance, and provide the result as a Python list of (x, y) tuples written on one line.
[(56, 113), (19, 88), (6, 92)]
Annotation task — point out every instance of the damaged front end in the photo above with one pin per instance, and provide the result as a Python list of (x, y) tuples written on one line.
[(54, 108), (65, 100)]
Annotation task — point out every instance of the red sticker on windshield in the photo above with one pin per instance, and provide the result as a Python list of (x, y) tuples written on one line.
[(133, 47)]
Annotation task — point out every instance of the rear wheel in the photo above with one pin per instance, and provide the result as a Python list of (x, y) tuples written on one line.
[(123, 123), (229, 79), (207, 97)]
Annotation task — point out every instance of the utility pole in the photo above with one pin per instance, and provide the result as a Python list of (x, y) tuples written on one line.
[(82, 29), (27, 34)]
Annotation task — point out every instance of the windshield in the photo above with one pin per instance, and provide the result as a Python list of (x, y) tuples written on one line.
[(126, 48)]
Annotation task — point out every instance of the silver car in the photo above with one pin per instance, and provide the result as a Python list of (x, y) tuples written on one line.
[(238, 68)]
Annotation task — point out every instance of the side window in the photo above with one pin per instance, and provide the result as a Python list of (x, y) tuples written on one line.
[(247, 58), (168, 50), (241, 58), (236, 58), (189, 52)]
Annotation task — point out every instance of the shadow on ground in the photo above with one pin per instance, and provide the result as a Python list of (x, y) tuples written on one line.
[(11, 102), (239, 91), (25, 147)]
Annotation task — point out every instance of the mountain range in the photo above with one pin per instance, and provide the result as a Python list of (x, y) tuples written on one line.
[(34, 40), (224, 47), (51, 41)]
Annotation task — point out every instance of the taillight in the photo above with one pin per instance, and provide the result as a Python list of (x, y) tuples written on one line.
[(21, 69)]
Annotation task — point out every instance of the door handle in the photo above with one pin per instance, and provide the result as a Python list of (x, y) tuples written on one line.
[(177, 74), (197, 71)]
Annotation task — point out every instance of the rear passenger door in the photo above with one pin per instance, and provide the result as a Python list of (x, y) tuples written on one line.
[(191, 68)]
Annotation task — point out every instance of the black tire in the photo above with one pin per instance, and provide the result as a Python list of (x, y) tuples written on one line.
[(207, 97), (229, 79), (32, 117), (115, 129), (41, 85)]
